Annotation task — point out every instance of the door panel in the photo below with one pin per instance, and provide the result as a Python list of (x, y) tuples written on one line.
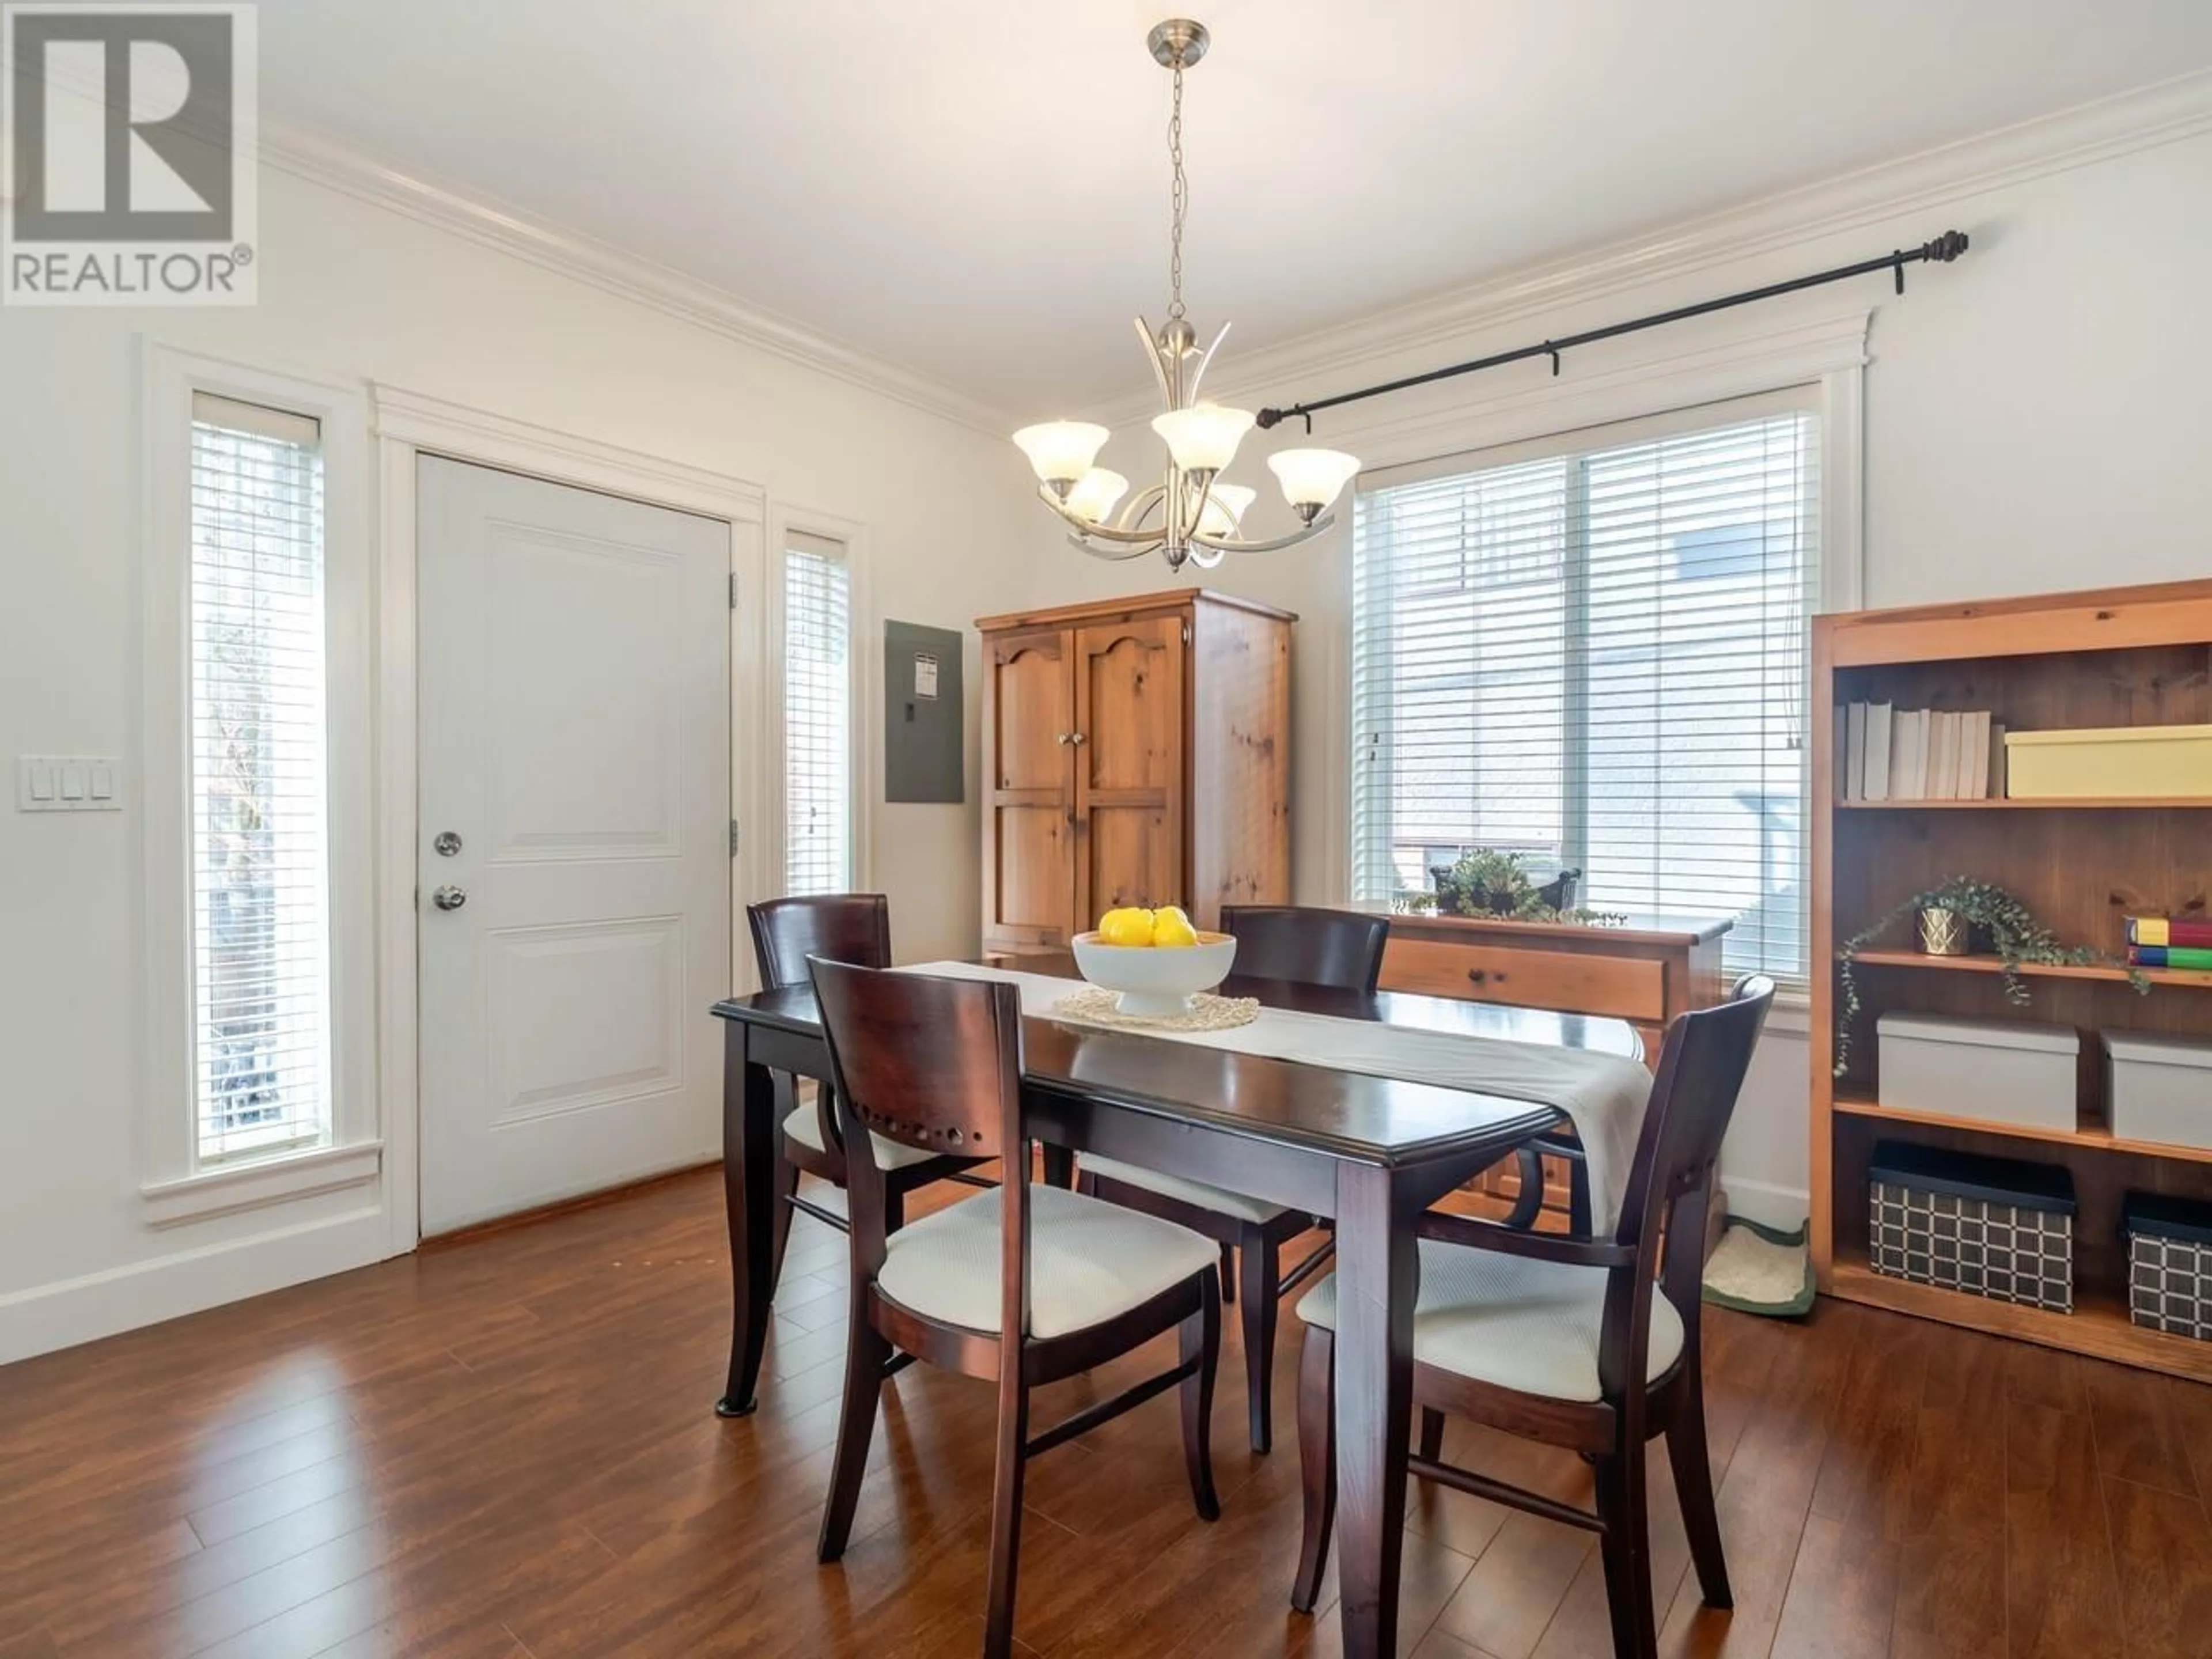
[(1129, 773), (1131, 859), (574, 655), (1030, 719)]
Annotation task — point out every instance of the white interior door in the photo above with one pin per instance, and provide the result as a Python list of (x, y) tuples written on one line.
[(573, 864)]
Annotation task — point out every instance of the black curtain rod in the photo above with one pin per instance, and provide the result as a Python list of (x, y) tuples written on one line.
[(1943, 250)]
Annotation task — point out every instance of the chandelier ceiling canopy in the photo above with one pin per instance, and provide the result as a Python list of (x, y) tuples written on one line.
[(1190, 516)]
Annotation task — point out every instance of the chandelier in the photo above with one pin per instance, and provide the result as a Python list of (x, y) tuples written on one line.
[(1190, 516)]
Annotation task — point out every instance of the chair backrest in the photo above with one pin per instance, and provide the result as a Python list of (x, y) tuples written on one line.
[(1701, 1071), (935, 1063), (1340, 949), (841, 926)]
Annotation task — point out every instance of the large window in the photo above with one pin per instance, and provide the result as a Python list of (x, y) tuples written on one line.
[(258, 798), (1593, 651), (817, 715)]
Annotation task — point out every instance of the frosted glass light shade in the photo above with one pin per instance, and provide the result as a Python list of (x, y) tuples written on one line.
[(1313, 478), (1061, 450), (1095, 494), (1225, 510), (1204, 437)]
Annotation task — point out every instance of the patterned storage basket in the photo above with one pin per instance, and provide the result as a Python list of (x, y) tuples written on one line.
[(2169, 1264), (1989, 1226)]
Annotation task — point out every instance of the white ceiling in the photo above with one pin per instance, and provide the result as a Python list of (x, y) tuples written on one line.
[(980, 192)]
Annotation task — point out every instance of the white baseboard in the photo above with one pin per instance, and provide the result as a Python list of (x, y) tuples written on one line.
[(60, 1315), (1767, 1203)]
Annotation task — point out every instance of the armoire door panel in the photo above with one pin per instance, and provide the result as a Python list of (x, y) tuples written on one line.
[(1133, 855), (1036, 872), (1129, 696), (1030, 875), (1129, 763), (1031, 704)]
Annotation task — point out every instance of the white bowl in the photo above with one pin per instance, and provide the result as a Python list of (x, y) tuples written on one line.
[(1155, 981)]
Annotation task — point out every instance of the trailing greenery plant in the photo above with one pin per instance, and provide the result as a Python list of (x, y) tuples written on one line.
[(2014, 937), (1414, 904), (1488, 883)]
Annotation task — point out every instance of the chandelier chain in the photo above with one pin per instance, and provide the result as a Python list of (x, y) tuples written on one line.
[(1178, 200)]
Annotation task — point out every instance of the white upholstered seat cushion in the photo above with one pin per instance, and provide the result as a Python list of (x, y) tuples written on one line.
[(805, 1126), (1532, 1326), (1219, 1199), (1089, 1260)]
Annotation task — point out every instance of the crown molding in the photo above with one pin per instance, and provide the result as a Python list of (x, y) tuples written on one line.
[(1310, 364), (322, 161)]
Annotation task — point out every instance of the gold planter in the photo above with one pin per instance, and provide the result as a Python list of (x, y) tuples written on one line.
[(1944, 933)]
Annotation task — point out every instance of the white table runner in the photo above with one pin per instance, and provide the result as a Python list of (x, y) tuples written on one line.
[(1603, 1095)]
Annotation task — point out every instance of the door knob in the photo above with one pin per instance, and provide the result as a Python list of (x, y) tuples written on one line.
[(450, 898), (447, 845)]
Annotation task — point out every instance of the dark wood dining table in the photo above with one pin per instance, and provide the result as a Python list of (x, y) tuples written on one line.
[(1370, 1153)]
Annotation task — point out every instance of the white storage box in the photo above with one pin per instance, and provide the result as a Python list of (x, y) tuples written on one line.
[(2001, 1071), (2159, 1088)]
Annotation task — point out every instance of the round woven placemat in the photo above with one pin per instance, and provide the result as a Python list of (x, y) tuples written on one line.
[(1207, 1012)]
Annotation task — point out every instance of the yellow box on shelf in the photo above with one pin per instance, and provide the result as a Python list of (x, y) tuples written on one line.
[(2172, 762)]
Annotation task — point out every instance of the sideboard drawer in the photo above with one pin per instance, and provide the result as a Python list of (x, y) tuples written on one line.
[(1625, 987)]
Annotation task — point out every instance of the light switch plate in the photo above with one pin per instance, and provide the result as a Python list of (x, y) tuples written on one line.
[(68, 783)]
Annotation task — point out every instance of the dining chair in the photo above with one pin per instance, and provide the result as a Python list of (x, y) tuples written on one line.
[(1590, 1344), (852, 927), (1021, 1285), (1339, 949)]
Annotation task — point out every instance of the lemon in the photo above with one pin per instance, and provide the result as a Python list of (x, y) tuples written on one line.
[(1170, 928), (1126, 926)]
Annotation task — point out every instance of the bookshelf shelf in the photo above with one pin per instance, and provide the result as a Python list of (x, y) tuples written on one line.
[(2030, 969), (2089, 1132), (2084, 803), (2099, 1324), (2132, 657)]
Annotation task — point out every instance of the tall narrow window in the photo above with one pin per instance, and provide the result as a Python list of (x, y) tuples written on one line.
[(260, 799), (1593, 653), (817, 716)]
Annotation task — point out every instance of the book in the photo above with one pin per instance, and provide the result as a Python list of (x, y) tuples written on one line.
[(1843, 753), (1974, 765), (1880, 726), (1997, 789), (1855, 753), (2165, 956), (1909, 754), (2164, 931), (1943, 761)]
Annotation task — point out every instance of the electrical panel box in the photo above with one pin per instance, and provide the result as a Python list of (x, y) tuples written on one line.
[(924, 747)]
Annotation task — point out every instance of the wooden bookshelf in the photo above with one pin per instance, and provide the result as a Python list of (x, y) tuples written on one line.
[(2062, 803), (2093, 970), (2126, 657)]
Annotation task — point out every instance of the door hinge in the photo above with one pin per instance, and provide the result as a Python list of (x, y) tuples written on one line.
[(734, 590), (736, 840), (1185, 633)]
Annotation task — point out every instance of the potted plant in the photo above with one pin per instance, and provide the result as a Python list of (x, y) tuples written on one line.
[(1488, 883), (1979, 910)]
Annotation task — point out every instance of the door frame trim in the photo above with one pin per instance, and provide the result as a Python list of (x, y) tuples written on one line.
[(407, 426)]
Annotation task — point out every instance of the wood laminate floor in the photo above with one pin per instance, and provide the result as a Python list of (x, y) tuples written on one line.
[(503, 1450)]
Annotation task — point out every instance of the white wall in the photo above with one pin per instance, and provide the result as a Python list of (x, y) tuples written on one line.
[(2035, 420), (350, 291)]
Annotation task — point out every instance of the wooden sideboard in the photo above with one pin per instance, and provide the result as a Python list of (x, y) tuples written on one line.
[(1135, 751), (1645, 973)]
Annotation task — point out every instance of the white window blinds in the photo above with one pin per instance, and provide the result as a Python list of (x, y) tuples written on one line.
[(1593, 651), (817, 716), (261, 1015)]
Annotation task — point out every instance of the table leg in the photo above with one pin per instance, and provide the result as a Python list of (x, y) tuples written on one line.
[(751, 1180), (1378, 1278)]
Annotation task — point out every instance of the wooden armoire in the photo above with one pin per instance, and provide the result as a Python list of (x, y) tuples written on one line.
[(1135, 751)]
